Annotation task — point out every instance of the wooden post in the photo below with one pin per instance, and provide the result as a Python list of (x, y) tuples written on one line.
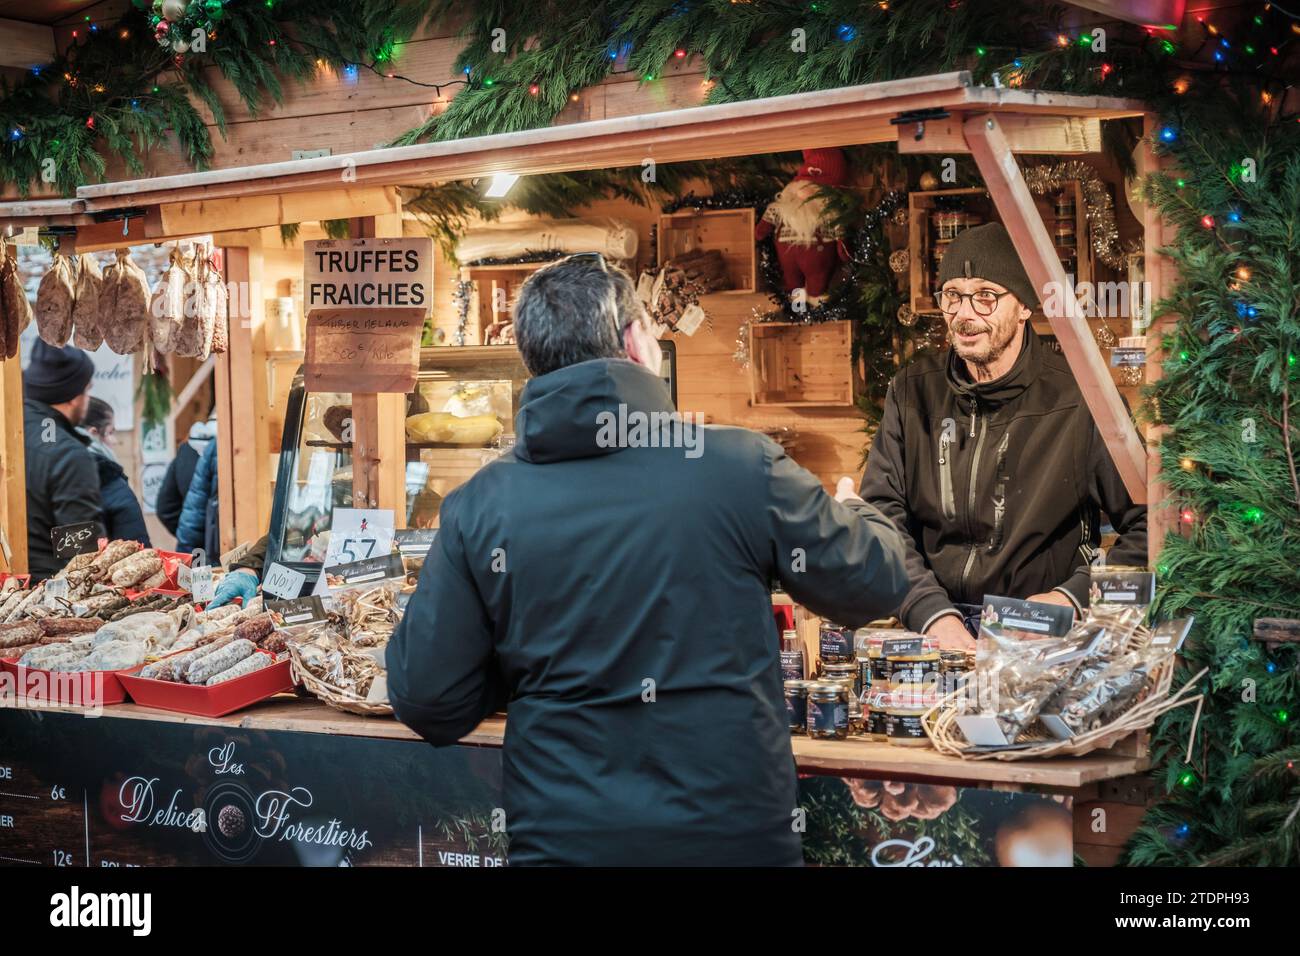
[(13, 468), (379, 419), (1016, 205), (243, 443), (1161, 516)]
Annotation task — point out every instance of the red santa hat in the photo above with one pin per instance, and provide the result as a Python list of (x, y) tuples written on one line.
[(825, 166)]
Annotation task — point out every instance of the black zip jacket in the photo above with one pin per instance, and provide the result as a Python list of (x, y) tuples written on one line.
[(997, 487), (62, 483), (619, 598)]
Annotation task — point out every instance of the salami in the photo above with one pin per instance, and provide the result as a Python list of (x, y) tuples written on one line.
[(55, 298), (183, 673), (202, 670), (86, 333), (253, 662), (124, 305), (167, 310)]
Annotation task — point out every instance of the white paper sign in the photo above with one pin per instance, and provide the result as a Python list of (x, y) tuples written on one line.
[(356, 534), (200, 586), (282, 582)]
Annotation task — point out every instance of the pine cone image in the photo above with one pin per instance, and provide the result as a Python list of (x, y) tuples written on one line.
[(899, 801)]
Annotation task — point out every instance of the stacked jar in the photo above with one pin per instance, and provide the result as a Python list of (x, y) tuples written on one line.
[(914, 667)]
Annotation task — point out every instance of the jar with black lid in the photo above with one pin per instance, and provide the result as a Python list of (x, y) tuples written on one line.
[(796, 705), (828, 711)]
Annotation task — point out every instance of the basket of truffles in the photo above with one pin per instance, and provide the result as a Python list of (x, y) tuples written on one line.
[(1106, 678)]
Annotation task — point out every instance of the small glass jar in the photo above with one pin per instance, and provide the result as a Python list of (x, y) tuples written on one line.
[(1065, 232), (903, 711), (828, 711), (796, 705), (1064, 205), (912, 659), (791, 656), (835, 644), (955, 668), (844, 673), (875, 718)]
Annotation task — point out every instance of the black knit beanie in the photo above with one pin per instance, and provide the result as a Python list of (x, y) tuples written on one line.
[(986, 252), (55, 375)]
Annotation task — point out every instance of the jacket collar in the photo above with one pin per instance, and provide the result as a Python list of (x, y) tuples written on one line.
[(567, 414), (42, 410), (1001, 390)]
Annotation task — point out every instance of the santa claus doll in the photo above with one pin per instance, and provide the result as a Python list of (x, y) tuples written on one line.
[(808, 247)]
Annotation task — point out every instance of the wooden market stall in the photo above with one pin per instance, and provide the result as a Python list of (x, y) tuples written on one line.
[(244, 207)]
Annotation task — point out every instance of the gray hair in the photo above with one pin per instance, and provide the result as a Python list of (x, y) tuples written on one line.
[(574, 311)]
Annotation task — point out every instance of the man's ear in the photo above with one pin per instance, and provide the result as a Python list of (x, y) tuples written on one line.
[(1025, 313)]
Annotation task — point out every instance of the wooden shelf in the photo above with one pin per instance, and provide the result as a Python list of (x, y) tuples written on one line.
[(730, 231), (797, 365)]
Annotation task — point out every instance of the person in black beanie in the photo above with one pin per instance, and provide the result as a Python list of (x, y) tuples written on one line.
[(62, 479), (988, 460)]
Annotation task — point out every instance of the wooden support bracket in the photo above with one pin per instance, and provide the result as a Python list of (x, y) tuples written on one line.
[(992, 153)]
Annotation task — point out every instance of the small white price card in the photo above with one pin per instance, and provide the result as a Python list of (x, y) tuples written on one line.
[(355, 535), (201, 589), (282, 582), (56, 589)]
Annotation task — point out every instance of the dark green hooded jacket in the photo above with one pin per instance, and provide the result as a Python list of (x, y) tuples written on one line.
[(619, 599)]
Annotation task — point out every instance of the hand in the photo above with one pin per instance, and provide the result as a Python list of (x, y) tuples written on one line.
[(951, 634), (1052, 597), (241, 583), (846, 487)]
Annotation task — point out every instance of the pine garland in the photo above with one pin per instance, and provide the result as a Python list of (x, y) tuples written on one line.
[(1229, 396)]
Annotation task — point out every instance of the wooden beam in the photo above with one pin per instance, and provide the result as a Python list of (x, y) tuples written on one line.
[(25, 45), (1026, 134), (1162, 517), (1015, 204), (242, 435), (196, 381), (379, 419), (254, 212), (1156, 13), (13, 467)]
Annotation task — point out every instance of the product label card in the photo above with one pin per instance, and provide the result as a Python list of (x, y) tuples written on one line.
[(364, 572), (902, 646), (56, 591), (1172, 633), (414, 542), (304, 610), (1004, 614), (355, 535), (1122, 587)]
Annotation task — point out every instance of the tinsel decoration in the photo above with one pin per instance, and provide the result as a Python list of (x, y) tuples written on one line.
[(906, 316), (1106, 339), (899, 218), (524, 258), (1097, 202), (724, 199), (899, 260), (1131, 375), (741, 355), (461, 298)]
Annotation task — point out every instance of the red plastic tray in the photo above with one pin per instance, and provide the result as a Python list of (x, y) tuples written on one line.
[(215, 701), (77, 688), (24, 579)]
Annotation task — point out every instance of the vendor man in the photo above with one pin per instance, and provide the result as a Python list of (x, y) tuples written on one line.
[(988, 460)]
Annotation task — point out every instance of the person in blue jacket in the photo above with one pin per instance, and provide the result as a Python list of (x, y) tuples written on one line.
[(197, 527), (123, 519)]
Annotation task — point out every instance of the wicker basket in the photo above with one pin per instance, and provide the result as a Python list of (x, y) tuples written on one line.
[(940, 723), (335, 697)]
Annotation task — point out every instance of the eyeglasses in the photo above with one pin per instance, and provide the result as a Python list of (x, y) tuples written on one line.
[(984, 302)]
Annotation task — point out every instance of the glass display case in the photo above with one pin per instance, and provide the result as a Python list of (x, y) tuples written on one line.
[(460, 416)]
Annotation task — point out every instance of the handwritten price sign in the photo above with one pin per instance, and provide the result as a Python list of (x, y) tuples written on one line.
[(363, 351)]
